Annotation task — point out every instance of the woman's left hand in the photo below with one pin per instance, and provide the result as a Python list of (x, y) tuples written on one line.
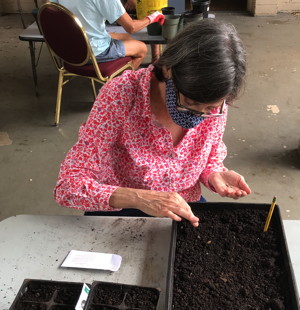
[(229, 184)]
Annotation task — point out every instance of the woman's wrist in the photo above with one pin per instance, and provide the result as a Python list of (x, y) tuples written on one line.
[(124, 198), (209, 178)]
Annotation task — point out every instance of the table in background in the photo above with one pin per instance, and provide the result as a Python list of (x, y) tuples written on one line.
[(32, 35), (141, 35), (34, 246)]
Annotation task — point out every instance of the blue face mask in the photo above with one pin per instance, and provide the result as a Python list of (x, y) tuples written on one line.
[(182, 119)]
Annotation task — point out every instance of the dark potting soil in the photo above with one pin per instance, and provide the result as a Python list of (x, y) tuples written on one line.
[(119, 296), (38, 291), (68, 295), (61, 307), (31, 306), (103, 308), (108, 295), (228, 262), (141, 298)]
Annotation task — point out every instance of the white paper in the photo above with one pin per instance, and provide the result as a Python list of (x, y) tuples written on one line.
[(83, 297), (92, 260)]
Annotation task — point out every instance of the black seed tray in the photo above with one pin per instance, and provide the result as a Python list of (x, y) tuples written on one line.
[(115, 296), (47, 295), (228, 262)]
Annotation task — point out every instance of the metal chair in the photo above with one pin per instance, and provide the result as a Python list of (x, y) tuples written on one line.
[(71, 51)]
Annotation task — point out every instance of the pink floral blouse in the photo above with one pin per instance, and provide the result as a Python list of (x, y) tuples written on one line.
[(122, 145)]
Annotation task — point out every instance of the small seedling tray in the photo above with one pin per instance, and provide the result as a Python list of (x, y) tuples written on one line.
[(47, 295), (114, 296)]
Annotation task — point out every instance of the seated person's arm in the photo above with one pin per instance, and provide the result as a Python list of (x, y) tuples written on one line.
[(132, 25)]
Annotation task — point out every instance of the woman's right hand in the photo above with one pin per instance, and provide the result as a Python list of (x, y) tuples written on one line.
[(154, 203)]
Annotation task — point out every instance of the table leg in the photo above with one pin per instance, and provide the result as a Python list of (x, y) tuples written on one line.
[(20, 11), (33, 65)]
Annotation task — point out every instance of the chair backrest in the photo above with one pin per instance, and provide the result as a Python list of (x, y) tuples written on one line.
[(64, 34)]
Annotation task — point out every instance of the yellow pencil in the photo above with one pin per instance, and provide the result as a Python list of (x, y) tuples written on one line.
[(270, 214)]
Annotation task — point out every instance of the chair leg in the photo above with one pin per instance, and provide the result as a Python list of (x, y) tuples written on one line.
[(94, 88), (160, 49), (58, 98)]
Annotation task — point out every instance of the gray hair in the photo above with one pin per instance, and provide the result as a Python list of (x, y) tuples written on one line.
[(207, 60)]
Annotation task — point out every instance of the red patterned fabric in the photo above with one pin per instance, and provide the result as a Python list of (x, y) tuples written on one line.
[(122, 144), (106, 68)]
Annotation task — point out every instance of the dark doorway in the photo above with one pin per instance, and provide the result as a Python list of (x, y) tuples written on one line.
[(228, 5)]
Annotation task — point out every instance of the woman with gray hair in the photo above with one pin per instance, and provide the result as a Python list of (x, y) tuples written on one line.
[(154, 135)]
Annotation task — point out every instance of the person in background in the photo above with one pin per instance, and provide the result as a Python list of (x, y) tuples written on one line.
[(155, 135), (109, 46), (130, 6)]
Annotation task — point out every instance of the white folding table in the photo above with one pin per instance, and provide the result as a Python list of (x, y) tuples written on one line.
[(34, 246)]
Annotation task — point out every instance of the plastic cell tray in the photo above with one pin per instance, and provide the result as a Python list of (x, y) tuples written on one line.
[(109, 296), (47, 295), (59, 295)]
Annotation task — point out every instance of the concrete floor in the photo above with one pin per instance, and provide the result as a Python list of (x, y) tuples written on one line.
[(262, 134)]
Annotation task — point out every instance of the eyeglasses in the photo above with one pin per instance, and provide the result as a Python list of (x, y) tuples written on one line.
[(184, 109)]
